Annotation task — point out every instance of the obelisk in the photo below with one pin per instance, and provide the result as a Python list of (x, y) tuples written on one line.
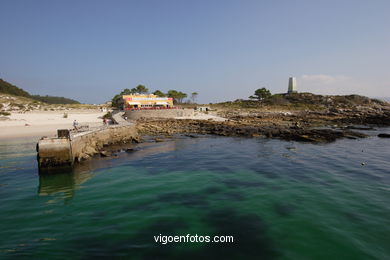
[(292, 85)]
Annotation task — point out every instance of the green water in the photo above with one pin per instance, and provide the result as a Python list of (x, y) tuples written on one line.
[(279, 200)]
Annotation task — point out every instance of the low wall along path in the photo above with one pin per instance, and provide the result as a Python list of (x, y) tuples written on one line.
[(163, 113)]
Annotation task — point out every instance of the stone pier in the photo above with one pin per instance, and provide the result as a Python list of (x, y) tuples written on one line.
[(71, 147)]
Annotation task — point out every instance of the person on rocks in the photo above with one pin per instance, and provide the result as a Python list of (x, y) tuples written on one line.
[(75, 125)]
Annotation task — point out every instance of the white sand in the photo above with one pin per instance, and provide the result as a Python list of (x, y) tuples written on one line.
[(46, 123)]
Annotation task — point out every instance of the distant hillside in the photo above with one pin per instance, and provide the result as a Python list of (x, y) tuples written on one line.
[(54, 99), (8, 88), (387, 99), (306, 101)]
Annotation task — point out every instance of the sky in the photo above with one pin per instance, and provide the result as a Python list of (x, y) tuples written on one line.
[(222, 49)]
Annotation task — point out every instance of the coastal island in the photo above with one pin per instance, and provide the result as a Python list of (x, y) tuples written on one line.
[(292, 116), (194, 130)]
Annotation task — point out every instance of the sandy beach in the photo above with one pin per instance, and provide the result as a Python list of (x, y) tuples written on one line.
[(45, 123)]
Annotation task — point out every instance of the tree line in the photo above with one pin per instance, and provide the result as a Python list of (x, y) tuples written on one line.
[(54, 99), (261, 94), (8, 88), (178, 96)]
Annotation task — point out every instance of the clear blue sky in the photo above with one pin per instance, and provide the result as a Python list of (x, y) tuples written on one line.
[(223, 49)]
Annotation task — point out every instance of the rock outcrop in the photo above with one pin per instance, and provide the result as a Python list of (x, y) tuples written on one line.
[(159, 127)]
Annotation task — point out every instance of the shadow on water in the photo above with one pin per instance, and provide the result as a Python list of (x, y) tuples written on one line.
[(187, 199), (251, 240), (283, 209), (139, 245), (236, 183), (64, 181)]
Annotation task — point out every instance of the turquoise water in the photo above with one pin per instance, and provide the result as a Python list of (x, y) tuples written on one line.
[(279, 200)]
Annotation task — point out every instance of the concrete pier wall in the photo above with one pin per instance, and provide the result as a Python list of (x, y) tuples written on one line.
[(163, 113), (85, 146), (69, 148), (56, 152)]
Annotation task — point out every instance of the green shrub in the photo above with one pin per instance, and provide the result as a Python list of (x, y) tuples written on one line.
[(4, 113), (108, 115), (20, 106)]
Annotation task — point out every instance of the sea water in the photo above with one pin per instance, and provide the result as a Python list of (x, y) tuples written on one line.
[(277, 199)]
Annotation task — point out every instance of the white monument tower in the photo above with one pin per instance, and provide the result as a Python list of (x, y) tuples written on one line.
[(292, 85)]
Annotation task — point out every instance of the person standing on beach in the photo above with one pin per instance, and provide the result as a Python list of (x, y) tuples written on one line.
[(75, 125)]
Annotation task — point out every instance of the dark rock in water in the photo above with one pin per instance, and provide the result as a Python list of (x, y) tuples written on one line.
[(291, 148), (318, 135), (354, 134), (249, 128), (384, 135), (284, 210), (137, 140), (105, 154), (130, 150), (192, 136), (305, 138), (360, 127)]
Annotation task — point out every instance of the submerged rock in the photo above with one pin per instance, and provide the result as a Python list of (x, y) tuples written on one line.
[(105, 154), (360, 127), (192, 136), (383, 135)]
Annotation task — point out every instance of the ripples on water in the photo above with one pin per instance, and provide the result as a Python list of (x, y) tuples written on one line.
[(282, 200)]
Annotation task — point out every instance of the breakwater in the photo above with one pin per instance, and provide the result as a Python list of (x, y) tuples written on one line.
[(70, 147)]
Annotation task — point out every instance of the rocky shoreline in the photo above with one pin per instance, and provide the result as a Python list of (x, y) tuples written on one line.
[(332, 122), (295, 133), (305, 126)]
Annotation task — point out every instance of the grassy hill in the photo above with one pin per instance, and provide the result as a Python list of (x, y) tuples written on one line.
[(54, 99), (305, 101), (15, 99), (10, 103), (8, 88)]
